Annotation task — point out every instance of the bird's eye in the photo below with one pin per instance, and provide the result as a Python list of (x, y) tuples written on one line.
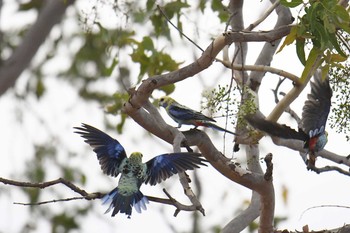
[(161, 99)]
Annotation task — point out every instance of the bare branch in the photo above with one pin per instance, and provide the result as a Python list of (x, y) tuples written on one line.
[(239, 223), (263, 17), (328, 169), (50, 15), (288, 109), (91, 196), (299, 146), (265, 57), (263, 69), (43, 185), (292, 94)]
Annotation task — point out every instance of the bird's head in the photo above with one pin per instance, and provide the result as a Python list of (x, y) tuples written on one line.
[(136, 157), (165, 101)]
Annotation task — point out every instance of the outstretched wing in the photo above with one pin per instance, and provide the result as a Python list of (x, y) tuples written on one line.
[(275, 129), (317, 106), (186, 114), (163, 166), (110, 153)]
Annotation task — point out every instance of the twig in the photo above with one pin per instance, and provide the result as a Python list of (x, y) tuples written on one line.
[(323, 206), (179, 206), (262, 68), (92, 196), (288, 109), (265, 15), (328, 169), (183, 34), (43, 185)]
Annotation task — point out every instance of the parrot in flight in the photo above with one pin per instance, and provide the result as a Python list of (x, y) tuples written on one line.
[(314, 117), (184, 115), (113, 161)]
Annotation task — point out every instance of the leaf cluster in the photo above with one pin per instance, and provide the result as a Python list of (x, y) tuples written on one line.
[(320, 27)]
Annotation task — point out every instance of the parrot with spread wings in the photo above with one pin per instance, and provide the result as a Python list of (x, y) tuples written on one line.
[(314, 118), (113, 161), (184, 115)]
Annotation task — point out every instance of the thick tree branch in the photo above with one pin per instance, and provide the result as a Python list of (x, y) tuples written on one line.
[(268, 51), (298, 146), (201, 140), (184, 180), (239, 223), (50, 15)]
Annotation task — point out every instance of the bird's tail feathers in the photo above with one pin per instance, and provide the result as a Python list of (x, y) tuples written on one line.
[(213, 126), (275, 129), (123, 204)]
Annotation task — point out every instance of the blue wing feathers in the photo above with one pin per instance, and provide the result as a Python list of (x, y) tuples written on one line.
[(186, 114), (163, 166), (109, 151)]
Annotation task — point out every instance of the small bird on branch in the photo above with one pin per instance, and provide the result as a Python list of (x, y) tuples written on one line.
[(184, 115)]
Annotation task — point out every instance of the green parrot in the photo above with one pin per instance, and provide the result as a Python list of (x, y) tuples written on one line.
[(113, 161)]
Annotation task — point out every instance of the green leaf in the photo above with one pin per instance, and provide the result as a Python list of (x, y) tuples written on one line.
[(291, 3), (321, 36), (40, 88), (168, 89), (201, 5), (150, 4), (312, 62), (217, 6), (147, 43), (174, 7), (337, 58), (300, 43), (342, 13), (161, 27), (108, 71), (120, 125), (328, 25), (334, 42), (290, 38), (63, 223)]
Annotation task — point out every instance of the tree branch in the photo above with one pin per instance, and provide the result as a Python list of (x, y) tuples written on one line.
[(91, 196), (50, 15), (288, 109)]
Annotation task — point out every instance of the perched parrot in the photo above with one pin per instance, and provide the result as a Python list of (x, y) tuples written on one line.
[(314, 118), (184, 115), (113, 161)]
